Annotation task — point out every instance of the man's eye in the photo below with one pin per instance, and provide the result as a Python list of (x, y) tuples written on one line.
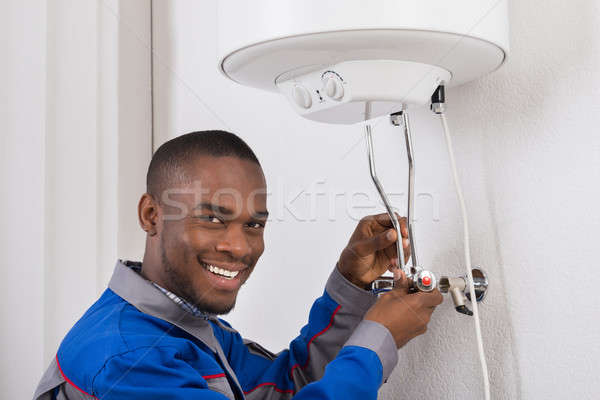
[(256, 225)]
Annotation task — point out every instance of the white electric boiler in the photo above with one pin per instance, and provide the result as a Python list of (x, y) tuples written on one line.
[(328, 57)]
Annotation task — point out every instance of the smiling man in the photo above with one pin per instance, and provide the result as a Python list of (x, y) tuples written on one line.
[(204, 211), (154, 333)]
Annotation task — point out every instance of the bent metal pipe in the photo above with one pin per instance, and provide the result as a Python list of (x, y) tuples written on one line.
[(421, 279)]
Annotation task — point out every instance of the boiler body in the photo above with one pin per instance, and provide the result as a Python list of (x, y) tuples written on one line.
[(330, 57)]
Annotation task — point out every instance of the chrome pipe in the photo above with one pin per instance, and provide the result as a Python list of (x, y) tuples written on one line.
[(386, 202), (411, 189)]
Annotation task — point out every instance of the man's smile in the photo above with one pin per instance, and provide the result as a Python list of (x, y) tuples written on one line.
[(224, 276)]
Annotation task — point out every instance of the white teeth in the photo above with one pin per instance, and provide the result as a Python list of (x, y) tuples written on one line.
[(221, 271)]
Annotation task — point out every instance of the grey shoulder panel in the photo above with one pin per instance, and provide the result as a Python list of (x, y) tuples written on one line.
[(68, 392), (353, 299), (258, 350), (374, 336), (221, 385), (353, 302), (51, 379)]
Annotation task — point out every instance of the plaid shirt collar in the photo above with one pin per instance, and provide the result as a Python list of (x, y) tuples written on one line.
[(192, 309), (184, 304)]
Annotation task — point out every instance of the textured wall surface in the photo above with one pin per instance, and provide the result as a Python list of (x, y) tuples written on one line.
[(535, 123), (528, 152)]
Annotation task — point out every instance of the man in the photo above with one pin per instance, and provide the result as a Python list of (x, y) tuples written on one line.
[(154, 334)]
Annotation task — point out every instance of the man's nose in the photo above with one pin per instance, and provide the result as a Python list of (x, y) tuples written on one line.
[(235, 242)]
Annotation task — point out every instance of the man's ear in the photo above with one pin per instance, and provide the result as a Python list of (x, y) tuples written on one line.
[(148, 214)]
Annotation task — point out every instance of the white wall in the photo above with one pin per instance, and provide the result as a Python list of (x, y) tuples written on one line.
[(22, 149), (75, 143), (528, 155), (536, 121)]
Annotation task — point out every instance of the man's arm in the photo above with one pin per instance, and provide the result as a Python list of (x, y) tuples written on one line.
[(335, 326), (369, 252), (361, 366), (341, 308), (162, 372)]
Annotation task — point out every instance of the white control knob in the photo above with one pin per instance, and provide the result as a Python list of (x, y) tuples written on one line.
[(333, 88), (302, 97)]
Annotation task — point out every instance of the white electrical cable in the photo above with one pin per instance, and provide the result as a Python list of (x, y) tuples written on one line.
[(484, 369)]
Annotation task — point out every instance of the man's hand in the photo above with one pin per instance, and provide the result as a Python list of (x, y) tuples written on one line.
[(405, 315), (372, 249)]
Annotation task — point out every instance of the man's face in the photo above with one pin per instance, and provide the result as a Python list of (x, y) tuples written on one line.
[(213, 230)]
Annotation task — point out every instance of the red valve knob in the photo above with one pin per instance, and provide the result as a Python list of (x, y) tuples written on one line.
[(426, 281)]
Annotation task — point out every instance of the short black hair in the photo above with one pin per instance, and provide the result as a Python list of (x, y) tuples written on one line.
[(169, 161)]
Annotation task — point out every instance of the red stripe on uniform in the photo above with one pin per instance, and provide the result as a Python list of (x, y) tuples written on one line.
[(313, 338), (213, 376), (70, 381)]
